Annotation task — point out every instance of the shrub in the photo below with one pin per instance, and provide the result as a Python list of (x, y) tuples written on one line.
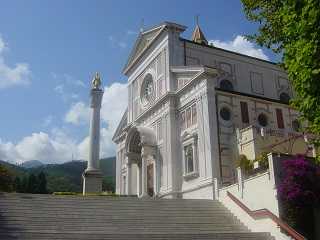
[(244, 163), (262, 159), (65, 193)]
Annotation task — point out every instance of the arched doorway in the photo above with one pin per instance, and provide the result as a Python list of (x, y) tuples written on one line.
[(141, 162)]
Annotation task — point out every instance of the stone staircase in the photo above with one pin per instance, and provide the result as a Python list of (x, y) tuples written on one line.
[(32, 216)]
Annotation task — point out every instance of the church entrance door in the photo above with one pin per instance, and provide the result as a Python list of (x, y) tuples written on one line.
[(150, 179)]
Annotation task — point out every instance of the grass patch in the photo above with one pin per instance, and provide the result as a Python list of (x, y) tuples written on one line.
[(107, 194)]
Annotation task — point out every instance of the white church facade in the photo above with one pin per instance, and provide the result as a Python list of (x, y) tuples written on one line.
[(192, 110)]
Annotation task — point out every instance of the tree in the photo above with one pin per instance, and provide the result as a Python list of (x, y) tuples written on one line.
[(42, 183), (24, 184), (6, 179), (18, 184), (32, 184), (292, 28), (108, 184)]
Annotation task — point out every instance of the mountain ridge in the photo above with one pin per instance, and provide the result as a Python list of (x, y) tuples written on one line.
[(31, 164), (67, 177)]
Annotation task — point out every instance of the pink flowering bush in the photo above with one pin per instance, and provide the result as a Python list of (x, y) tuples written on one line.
[(301, 182), (299, 193)]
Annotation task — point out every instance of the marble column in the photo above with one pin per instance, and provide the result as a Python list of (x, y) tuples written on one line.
[(128, 179), (138, 179), (92, 176), (144, 175), (155, 177)]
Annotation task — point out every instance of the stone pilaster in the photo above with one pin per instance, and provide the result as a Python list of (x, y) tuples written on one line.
[(147, 155), (129, 179)]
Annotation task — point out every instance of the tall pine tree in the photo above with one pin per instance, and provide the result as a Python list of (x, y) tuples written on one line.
[(42, 183)]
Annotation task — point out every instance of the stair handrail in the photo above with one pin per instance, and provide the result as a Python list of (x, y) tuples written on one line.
[(267, 214)]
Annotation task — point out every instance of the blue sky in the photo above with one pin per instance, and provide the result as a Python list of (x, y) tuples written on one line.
[(49, 51)]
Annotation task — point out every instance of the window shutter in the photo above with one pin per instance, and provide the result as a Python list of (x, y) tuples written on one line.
[(279, 118), (244, 112)]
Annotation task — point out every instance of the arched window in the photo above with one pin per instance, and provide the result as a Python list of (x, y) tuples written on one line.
[(225, 113), (226, 85), (284, 97), (263, 120), (189, 164)]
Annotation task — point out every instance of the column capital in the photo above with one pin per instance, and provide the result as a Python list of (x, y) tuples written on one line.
[(96, 98), (148, 151)]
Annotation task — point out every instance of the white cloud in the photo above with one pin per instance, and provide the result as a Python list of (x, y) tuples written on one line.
[(12, 76), (59, 89), (67, 84), (241, 45), (7, 151), (78, 113), (2, 45), (130, 32), (114, 103), (67, 79), (115, 42), (54, 148), (48, 120), (57, 146), (122, 44), (73, 81)]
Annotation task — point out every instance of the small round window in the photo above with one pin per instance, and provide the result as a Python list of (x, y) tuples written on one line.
[(263, 120), (225, 114), (226, 85), (296, 125), (284, 97)]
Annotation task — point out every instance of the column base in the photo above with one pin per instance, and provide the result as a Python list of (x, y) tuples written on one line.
[(92, 181), (144, 196)]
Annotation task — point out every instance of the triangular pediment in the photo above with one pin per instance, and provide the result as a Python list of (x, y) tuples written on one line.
[(143, 41), (146, 38)]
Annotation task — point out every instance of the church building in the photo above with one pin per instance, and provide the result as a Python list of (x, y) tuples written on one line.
[(193, 109)]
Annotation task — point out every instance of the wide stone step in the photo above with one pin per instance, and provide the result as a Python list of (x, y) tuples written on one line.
[(33, 217), (143, 224), (108, 205), (105, 206), (112, 211), (177, 219), (90, 236), (145, 230)]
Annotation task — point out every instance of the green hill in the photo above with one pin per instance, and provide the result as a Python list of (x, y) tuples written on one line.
[(16, 170), (67, 177), (31, 164)]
